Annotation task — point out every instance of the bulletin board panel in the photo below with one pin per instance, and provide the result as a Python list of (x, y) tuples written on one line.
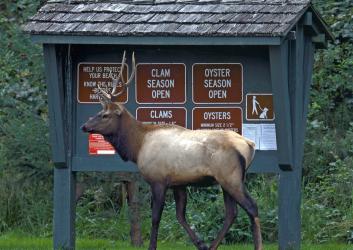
[(218, 82)]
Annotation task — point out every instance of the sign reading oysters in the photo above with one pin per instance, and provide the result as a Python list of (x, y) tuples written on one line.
[(217, 83), (160, 83)]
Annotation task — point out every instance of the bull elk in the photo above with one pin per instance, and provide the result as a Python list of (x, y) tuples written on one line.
[(170, 156)]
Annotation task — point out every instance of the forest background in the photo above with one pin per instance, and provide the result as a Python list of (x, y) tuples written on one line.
[(26, 171)]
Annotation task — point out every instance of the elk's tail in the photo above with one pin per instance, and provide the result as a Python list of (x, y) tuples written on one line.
[(251, 154)]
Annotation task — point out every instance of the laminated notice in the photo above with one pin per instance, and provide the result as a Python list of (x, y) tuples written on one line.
[(264, 135)]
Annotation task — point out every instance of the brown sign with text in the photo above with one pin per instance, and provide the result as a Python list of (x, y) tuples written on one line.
[(217, 118), (90, 75), (162, 115), (160, 83), (217, 83)]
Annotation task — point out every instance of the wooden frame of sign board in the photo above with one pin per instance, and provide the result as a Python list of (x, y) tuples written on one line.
[(284, 63)]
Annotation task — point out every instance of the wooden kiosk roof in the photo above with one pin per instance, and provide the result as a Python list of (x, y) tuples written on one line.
[(170, 18)]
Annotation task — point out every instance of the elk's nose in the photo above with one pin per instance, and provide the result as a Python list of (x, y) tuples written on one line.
[(83, 128)]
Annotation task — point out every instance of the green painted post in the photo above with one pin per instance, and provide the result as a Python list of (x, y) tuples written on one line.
[(307, 71), (64, 178), (64, 208), (55, 100), (286, 91), (279, 78), (289, 209), (301, 62)]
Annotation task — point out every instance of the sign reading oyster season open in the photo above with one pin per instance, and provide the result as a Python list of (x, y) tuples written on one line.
[(160, 83), (92, 75), (217, 83)]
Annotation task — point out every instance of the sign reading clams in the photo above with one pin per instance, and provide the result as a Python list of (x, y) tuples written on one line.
[(162, 115), (90, 75), (160, 83)]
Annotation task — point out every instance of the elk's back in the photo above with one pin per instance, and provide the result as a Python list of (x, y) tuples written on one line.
[(186, 156)]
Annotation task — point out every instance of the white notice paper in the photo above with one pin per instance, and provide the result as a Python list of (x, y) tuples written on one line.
[(264, 135), (252, 132), (268, 137)]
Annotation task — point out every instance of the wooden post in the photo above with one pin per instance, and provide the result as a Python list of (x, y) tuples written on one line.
[(134, 215), (281, 98), (55, 100), (64, 208), (286, 107), (301, 65)]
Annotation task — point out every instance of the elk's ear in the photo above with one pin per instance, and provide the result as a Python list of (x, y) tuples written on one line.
[(119, 109), (103, 103)]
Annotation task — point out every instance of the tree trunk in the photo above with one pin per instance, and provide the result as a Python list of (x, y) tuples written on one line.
[(134, 215)]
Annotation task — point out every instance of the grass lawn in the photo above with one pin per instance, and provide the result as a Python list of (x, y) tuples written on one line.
[(18, 242)]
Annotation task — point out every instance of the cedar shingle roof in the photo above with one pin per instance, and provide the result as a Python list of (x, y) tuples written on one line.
[(265, 18)]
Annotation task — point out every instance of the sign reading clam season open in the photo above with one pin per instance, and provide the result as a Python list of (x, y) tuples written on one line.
[(217, 83), (160, 83), (92, 75)]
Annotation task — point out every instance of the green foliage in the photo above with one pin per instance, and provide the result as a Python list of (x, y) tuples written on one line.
[(332, 91), (25, 167), (328, 175), (328, 203), (338, 14), (21, 62)]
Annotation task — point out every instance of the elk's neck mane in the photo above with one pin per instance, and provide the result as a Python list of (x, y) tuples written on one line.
[(127, 141)]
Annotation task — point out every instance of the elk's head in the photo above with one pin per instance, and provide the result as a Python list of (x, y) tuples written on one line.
[(107, 121)]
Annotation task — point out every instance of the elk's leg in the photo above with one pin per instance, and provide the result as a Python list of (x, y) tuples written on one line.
[(158, 199), (242, 197), (180, 197), (230, 214)]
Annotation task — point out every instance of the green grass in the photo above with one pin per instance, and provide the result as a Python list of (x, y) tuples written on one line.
[(14, 241)]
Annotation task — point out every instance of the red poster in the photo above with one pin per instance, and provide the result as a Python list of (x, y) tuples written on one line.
[(98, 146)]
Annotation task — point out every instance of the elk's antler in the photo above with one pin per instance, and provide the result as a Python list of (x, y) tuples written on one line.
[(108, 97), (104, 95), (120, 76)]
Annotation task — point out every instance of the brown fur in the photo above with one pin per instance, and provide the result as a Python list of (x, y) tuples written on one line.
[(227, 151), (128, 136)]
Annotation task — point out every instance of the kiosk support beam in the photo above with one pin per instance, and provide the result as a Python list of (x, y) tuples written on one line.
[(279, 78), (64, 178), (55, 92), (290, 182), (64, 208), (289, 209), (301, 64)]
